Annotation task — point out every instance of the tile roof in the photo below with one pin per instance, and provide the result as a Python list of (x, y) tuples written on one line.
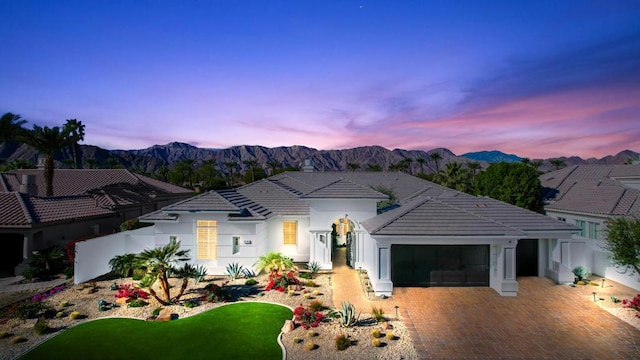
[(78, 181), (344, 189), (592, 189), (209, 201)]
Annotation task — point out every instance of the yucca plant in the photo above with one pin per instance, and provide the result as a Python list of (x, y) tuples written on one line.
[(234, 270)]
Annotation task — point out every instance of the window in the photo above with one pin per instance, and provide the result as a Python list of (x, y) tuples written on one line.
[(173, 239), (207, 239), (594, 230), (290, 229), (236, 244), (581, 224)]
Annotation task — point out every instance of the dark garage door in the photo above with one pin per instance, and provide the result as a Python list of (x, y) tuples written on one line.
[(440, 265)]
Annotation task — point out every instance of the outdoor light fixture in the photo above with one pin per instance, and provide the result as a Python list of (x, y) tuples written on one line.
[(602, 286), (396, 307), (594, 296)]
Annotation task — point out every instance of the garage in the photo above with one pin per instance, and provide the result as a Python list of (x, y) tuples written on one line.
[(440, 265)]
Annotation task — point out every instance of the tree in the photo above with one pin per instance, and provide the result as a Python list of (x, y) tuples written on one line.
[(558, 163), (421, 162), (273, 164), (75, 129), (514, 183), (230, 165), (623, 241), (474, 166), (405, 165), (11, 126), (353, 166), (455, 177), (91, 162), (48, 141), (436, 157), (208, 173), (273, 262), (374, 167), (159, 263), (251, 164)]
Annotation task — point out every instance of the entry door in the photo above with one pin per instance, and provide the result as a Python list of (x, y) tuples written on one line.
[(527, 257)]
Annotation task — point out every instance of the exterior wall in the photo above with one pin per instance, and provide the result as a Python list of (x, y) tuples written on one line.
[(275, 237), (588, 252), (92, 256)]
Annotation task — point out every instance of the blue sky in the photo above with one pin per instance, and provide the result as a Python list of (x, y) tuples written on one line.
[(539, 79)]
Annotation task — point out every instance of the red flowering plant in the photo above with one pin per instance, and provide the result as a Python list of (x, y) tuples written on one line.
[(306, 317), (131, 292), (280, 282), (633, 304)]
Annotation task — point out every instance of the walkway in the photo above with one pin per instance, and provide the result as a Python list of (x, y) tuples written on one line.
[(8, 284), (545, 321)]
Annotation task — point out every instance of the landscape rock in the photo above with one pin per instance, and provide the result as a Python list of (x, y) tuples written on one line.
[(287, 327), (165, 315)]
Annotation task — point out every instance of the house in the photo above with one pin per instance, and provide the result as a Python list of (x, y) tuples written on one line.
[(588, 195), (425, 234), (86, 202)]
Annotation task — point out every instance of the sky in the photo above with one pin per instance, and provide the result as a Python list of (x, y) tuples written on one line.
[(538, 79)]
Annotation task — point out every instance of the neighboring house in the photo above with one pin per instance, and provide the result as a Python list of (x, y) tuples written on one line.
[(586, 196), (86, 202), (431, 236)]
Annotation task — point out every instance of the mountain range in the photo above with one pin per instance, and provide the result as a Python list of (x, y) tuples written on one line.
[(150, 160)]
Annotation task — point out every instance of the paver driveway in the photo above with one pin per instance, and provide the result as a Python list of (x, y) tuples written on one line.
[(545, 321)]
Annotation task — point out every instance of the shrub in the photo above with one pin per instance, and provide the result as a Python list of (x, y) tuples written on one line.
[(316, 305), (306, 276), (378, 313), (18, 339), (59, 314), (74, 315), (131, 292), (250, 282), (342, 342), (4, 334), (137, 303), (306, 317), (614, 299), (581, 272), (234, 270), (309, 345), (156, 311), (41, 327), (390, 336), (192, 303), (213, 292), (133, 224), (68, 272), (280, 281), (31, 309), (632, 304), (376, 333), (31, 273), (376, 342), (124, 264), (310, 283)]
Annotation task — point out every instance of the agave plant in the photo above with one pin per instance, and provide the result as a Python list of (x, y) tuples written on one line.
[(313, 266), (248, 273), (234, 270), (347, 314)]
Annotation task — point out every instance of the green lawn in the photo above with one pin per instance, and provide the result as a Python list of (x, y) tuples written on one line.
[(237, 331)]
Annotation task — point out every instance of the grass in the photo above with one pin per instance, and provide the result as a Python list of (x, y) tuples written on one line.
[(237, 331)]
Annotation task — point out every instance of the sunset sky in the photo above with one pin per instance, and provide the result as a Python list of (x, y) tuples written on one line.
[(538, 79)]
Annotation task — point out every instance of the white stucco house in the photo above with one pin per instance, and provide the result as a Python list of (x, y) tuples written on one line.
[(429, 236), (586, 196)]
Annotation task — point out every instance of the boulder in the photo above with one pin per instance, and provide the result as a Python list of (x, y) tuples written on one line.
[(386, 326), (88, 290), (287, 327), (165, 315), (122, 301)]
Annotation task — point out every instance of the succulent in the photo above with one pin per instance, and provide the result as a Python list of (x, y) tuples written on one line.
[(348, 315), (390, 336), (313, 266), (376, 342), (234, 270), (376, 333), (309, 345)]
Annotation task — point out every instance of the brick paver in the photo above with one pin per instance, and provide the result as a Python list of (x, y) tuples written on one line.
[(545, 320)]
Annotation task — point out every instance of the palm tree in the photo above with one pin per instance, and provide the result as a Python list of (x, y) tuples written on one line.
[(421, 162), (353, 166), (208, 172), (91, 162), (75, 129), (230, 165), (123, 265), (406, 165), (11, 126), (273, 262), (251, 164), (436, 157), (186, 272), (474, 166), (48, 141), (273, 164), (159, 262)]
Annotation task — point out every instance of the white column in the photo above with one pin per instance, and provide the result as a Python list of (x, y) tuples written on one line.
[(26, 248)]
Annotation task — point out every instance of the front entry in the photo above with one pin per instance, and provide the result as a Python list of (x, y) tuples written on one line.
[(527, 257), (440, 265)]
